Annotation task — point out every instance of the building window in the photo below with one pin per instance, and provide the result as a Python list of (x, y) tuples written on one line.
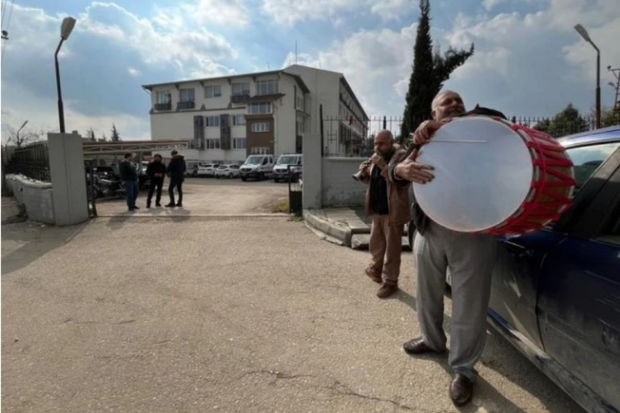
[(238, 120), (241, 89), (267, 87), (163, 97), (239, 143), (186, 95), (259, 108), (260, 127), (261, 150), (163, 100), (213, 144), (213, 91), (299, 102), (212, 121)]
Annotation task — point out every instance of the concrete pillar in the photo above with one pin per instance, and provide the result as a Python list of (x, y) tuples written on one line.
[(312, 172), (66, 158)]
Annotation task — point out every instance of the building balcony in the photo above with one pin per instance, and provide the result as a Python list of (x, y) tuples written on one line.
[(186, 105), (163, 106), (239, 98)]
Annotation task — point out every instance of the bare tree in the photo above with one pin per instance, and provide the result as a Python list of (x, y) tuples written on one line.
[(20, 137)]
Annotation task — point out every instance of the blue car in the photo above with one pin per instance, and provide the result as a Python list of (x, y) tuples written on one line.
[(556, 292)]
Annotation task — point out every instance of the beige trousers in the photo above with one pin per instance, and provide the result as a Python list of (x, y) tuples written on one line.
[(385, 248)]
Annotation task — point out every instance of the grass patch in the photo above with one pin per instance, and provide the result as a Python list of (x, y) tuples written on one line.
[(280, 206)]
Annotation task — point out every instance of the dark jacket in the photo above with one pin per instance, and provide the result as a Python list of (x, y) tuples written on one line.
[(397, 190), (176, 168), (127, 171), (156, 170)]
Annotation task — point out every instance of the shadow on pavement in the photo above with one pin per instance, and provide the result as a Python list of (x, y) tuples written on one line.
[(28, 241)]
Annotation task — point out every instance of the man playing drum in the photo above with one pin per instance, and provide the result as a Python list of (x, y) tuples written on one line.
[(468, 256)]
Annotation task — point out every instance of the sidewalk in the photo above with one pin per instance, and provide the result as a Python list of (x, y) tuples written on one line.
[(10, 211), (343, 226)]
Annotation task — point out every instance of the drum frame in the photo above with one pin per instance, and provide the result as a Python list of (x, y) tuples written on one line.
[(551, 188)]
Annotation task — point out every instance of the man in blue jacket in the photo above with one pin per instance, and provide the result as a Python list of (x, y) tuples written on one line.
[(129, 176)]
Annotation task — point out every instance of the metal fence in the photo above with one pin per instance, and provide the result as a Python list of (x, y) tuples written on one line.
[(31, 160), (344, 137)]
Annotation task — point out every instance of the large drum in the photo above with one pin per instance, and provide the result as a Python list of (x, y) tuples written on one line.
[(494, 177)]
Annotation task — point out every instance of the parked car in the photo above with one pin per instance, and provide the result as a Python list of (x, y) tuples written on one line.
[(288, 167), (191, 170), (556, 292), (206, 169), (105, 181), (257, 167), (228, 170)]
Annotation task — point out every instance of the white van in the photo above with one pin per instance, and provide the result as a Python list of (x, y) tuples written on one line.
[(257, 167), (288, 163)]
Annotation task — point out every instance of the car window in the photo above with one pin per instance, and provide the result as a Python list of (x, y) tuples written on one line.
[(587, 158)]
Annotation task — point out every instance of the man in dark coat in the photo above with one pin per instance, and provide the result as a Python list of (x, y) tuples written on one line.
[(176, 172), (129, 176), (156, 170)]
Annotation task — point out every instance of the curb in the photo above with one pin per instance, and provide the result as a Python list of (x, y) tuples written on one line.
[(338, 232)]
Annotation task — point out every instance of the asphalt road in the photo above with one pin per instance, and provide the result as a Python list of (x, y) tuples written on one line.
[(235, 313)]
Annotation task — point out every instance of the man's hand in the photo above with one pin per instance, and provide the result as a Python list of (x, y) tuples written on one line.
[(379, 162), (414, 171), (425, 131), (377, 159)]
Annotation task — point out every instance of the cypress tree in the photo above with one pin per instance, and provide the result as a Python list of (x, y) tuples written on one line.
[(429, 71)]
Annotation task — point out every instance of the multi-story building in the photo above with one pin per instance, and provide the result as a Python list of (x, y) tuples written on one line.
[(230, 117)]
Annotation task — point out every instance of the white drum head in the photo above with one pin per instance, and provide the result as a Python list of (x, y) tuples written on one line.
[(483, 173)]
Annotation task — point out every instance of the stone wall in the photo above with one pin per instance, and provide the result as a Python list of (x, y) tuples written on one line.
[(36, 196)]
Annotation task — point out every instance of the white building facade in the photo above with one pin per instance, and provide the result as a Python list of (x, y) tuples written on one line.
[(230, 117)]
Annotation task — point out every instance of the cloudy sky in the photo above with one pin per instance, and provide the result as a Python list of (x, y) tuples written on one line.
[(528, 61)]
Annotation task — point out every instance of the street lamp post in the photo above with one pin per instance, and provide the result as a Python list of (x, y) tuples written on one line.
[(65, 31), (582, 31), (18, 142)]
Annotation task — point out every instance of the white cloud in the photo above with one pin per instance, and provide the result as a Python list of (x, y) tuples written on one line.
[(372, 62), (222, 12), (389, 9), (289, 12), (110, 47)]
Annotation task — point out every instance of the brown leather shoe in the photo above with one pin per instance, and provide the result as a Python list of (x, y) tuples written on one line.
[(461, 390), (386, 290), (418, 346), (373, 275)]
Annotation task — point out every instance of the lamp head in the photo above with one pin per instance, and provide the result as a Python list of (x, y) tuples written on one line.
[(66, 27), (582, 31)]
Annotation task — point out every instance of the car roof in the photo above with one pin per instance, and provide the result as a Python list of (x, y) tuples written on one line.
[(604, 135)]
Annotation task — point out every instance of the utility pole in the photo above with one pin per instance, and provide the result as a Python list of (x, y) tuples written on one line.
[(616, 73)]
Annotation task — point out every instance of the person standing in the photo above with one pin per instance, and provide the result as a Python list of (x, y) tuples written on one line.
[(176, 172), (156, 170), (129, 176), (469, 257), (387, 201)]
